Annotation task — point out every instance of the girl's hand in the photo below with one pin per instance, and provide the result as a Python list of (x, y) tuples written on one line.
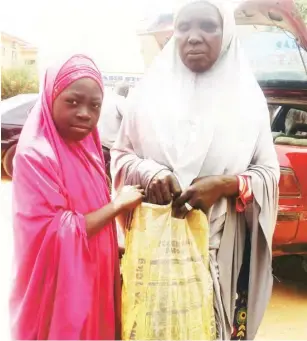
[(128, 198)]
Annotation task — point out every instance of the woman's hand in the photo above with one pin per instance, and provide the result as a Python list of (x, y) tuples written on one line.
[(128, 198), (204, 193), (163, 188)]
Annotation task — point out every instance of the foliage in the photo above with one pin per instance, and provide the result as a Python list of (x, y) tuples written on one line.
[(302, 8), (17, 81)]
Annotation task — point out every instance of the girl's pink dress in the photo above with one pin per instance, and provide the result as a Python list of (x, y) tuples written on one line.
[(66, 285)]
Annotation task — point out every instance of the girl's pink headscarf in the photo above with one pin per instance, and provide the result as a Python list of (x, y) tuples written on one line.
[(57, 79), (67, 286)]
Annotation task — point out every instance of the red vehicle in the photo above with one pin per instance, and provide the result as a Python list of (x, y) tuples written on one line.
[(275, 39)]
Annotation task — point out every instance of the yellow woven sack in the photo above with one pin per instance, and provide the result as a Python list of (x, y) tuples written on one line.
[(167, 287)]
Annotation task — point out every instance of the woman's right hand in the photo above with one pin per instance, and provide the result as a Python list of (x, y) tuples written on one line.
[(129, 198), (163, 188)]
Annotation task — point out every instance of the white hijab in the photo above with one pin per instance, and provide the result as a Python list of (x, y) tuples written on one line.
[(200, 123)]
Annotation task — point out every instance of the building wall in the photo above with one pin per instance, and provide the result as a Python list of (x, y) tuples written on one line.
[(29, 56), (16, 52), (149, 48)]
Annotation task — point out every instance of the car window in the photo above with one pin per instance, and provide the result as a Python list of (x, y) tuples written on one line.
[(273, 54), (273, 110)]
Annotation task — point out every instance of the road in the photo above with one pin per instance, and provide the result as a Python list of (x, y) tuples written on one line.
[(285, 318)]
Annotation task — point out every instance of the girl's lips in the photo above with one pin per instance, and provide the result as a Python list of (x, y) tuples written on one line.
[(80, 128)]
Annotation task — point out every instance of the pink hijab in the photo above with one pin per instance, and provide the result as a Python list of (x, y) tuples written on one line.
[(63, 279)]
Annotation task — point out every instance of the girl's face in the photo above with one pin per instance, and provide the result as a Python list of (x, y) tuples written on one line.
[(76, 109)]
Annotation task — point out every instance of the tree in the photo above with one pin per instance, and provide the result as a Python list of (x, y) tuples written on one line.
[(17, 81), (302, 8)]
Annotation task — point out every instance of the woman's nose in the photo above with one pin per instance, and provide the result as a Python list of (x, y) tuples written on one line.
[(195, 37)]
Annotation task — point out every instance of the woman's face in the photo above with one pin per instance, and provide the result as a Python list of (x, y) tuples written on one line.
[(76, 110), (199, 33)]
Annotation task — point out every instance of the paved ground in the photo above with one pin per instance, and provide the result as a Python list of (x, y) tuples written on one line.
[(285, 319)]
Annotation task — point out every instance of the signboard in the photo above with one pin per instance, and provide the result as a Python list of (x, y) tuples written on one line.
[(111, 79)]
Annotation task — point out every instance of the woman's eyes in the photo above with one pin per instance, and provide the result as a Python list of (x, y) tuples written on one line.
[(206, 26), (209, 27), (183, 27)]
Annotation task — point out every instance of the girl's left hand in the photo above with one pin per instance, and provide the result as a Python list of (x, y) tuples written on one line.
[(202, 194)]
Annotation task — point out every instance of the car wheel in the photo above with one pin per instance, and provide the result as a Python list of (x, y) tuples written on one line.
[(8, 160)]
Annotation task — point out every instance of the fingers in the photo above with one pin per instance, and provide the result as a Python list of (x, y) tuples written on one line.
[(175, 188), (184, 197), (159, 193), (163, 189), (151, 197), (182, 211)]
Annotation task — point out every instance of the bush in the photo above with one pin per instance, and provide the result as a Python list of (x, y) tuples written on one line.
[(302, 8), (17, 81)]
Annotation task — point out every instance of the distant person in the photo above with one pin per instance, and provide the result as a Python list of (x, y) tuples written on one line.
[(67, 281), (111, 117), (122, 89)]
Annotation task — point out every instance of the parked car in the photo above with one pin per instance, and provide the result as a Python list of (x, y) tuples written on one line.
[(274, 38), (14, 112)]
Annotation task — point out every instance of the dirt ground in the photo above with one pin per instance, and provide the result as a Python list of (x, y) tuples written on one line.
[(285, 318)]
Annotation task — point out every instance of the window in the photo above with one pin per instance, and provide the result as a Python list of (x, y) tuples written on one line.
[(273, 109), (14, 55), (30, 62), (14, 45), (3, 51), (273, 54)]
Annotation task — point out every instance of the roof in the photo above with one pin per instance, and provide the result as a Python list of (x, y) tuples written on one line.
[(24, 44)]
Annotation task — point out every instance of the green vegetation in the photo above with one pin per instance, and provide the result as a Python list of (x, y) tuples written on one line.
[(17, 81), (302, 8)]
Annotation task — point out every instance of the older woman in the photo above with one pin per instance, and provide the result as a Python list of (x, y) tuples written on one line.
[(67, 283), (198, 134)]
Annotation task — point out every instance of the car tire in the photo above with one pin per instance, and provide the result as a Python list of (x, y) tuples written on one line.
[(7, 162)]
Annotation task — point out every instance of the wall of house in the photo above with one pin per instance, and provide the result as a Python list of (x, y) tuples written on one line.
[(15, 53), (29, 56), (10, 52), (149, 48)]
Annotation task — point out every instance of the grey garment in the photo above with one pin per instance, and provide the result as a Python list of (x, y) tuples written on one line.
[(216, 231), (260, 219)]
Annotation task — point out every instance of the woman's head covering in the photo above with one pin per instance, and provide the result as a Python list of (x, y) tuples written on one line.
[(220, 109)]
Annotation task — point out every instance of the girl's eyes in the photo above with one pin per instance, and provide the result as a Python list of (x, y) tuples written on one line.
[(97, 105), (72, 102)]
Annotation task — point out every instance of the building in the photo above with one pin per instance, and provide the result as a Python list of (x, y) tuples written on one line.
[(16, 52)]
